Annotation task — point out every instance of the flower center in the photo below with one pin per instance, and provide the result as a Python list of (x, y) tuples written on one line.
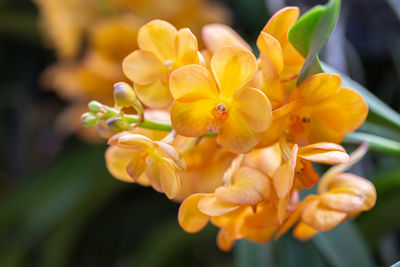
[(169, 64), (221, 108)]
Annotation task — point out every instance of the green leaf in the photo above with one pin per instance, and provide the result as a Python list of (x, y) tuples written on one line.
[(375, 143), (344, 246), (377, 107), (310, 33)]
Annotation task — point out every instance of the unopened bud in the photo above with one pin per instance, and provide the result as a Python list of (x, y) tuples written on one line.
[(89, 120), (94, 106), (118, 124), (124, 96)]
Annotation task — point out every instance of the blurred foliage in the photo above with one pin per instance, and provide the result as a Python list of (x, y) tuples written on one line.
[(60, 207)]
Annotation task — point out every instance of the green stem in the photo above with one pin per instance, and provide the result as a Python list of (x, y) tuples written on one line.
[(376, 143)]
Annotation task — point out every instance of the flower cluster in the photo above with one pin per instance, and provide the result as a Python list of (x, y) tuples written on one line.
[(242, 136)]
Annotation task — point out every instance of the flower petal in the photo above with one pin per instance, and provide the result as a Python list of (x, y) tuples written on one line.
[(232, 67), (173, 153), (190, 218), (187, 49), (317, 88), (324, 152), (193, 80), (158, 37), (250, 187), (155, 94), (116, 161), (217, 36), (169, 180), (279, 24), (142, 67), (321, 218), (304, 232), (131, 141), (192, 118), (137, 165), (344, 112), (236, 135), (284, 175), (224, 243), (212, 206), (255, 108), (272, 48)]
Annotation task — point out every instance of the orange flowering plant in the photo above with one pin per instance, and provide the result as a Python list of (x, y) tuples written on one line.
[(234, 137)]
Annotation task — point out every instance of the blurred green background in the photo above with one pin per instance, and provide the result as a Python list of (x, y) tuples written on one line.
[(60, 207)]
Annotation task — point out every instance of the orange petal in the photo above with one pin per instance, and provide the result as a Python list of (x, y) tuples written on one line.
[(131, 141), (169, 180), (158, 37), (282, 209), (321, 218), (193, 80), (190, 218), (259, 235), (303, 232), (187, 50), (255, 108), (272, 48), (267, 81), (279, 24), (317, 88), (212, 206), (274, 132), (284, 175), (324, 152), (192, 118), (307, 175), (142, 67), (249, 187), (344, 112), (232, 67), (217, 36), (224, 243), (155, 94), (236, 135)]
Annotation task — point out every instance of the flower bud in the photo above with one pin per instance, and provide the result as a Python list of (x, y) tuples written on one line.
[(89, 120), (118, 124), (124, 96), (94, 106)]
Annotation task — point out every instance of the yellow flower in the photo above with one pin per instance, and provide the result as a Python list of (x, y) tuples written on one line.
[(157, 160), (162, 50), (220, 102)]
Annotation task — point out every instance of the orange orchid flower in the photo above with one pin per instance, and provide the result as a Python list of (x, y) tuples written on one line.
[(220, 102), (162, 49), (157, 160)]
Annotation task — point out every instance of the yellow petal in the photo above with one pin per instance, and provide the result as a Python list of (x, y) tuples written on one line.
[(217, 36), (173, 153), (279, 24), (259, 235), (155, 94), (169, 179), (317, 88), (254, 107), (192, 118), (142, 67), (284, 175), (236, 134), (274, 132), (324, 152), (187, 50), (116, 161), (282, 209), (272, 48), (158, 37), (190, 218), (321, 218), (270, 82), (232, 67), (303, 232), (344, 112), (131, 141), (193, 80), (212, 206), (249, 187), (137, 165)]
